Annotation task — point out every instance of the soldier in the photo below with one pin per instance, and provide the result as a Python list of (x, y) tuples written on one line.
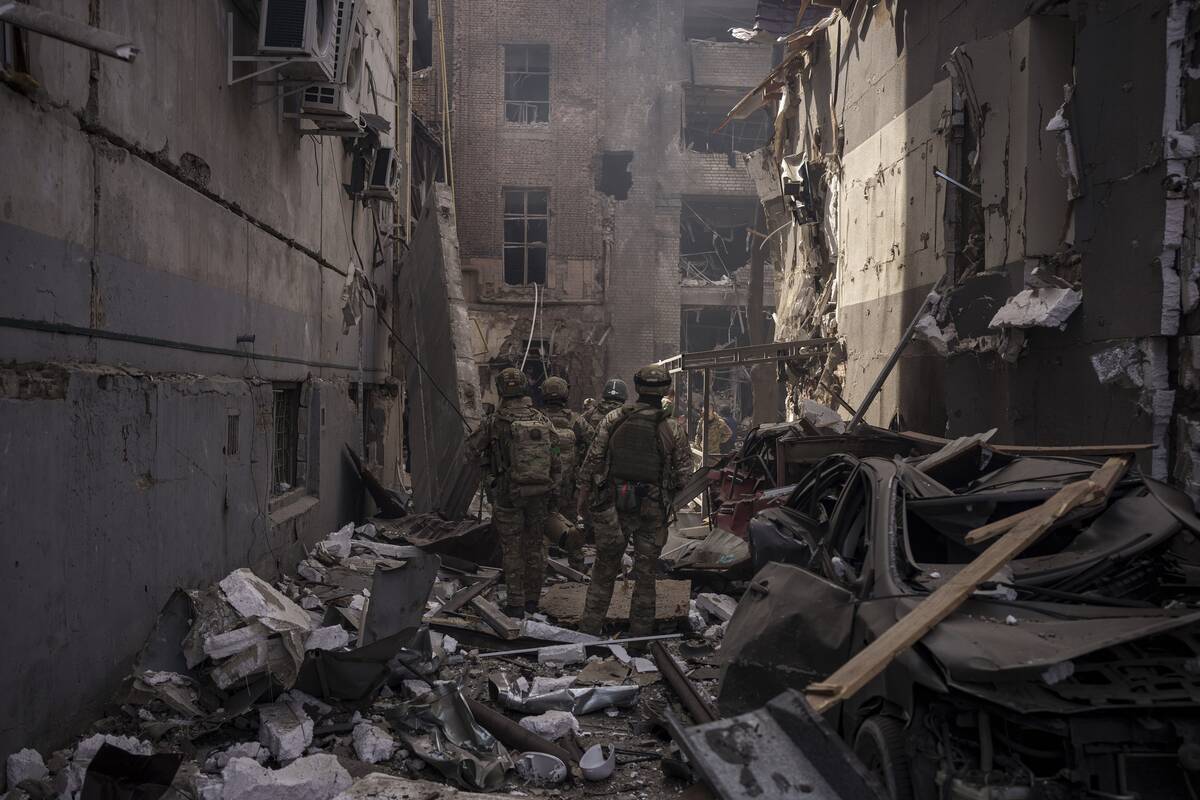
[(614, 396), (574, 436), (517, 448), (638, 460)]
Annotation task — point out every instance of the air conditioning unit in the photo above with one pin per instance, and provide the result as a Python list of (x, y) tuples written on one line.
[(303, 30), (339, 100), (381, 180)]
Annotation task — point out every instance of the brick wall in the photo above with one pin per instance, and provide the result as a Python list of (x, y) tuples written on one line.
[(734, 64)]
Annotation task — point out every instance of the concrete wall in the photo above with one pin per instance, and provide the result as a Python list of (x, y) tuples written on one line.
[(878, 111), (150, 215)]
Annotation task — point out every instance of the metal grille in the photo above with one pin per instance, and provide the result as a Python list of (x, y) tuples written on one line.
[(285, 23), (283, 460), (231, 435)]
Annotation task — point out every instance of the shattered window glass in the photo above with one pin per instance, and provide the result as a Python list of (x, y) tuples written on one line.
[(526, 231), (527, 83)]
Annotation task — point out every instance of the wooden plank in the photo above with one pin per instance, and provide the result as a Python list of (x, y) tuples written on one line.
[(466, 595), (874, 658), (567, 571), (994, 529), (504, 626)]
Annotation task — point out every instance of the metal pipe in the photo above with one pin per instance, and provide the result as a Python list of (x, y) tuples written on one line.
[(56, 26), (597, 643), (513, 735), (699, 706), (895, 356)]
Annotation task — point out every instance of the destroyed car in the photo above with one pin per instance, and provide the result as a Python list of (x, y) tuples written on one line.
[(1073, 673)]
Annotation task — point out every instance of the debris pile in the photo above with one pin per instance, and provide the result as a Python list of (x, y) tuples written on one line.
[(381, 663)]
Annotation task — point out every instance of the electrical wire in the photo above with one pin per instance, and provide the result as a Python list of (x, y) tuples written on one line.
[(532, 323)]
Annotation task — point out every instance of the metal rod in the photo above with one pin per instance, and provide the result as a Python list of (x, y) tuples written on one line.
[(597, 643), (700, 707), (895, 356), (938, 173)]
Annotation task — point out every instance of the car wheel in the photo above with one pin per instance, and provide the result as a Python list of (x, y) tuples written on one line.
[(880, 745)]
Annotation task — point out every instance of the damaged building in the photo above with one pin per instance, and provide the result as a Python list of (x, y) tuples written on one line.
[(604, 219), (1028, 164), (199, 227)]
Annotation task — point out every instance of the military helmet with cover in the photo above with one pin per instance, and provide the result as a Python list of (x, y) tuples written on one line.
[(652, 379), (555, 390), (511, 382), (615, 389)]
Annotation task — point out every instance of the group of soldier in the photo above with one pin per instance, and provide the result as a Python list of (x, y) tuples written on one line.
[(552, 473)]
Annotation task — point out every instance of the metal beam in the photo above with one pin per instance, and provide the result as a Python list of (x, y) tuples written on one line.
[(754, 354)]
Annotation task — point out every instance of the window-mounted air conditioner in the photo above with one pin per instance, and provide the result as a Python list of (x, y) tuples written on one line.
[(381, 180), (304, 30), (339, 99)]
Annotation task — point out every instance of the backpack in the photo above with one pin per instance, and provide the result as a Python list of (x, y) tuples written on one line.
[(530, 451), (567, 445), (635, 449)]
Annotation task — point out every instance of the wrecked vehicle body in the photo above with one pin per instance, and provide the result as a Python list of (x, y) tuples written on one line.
[(1075, 672)]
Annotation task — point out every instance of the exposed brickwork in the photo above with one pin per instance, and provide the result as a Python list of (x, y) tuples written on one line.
[(617, 72), (735, 64)]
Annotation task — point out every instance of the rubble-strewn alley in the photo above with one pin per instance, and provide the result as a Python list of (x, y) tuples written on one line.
[(697, 399)]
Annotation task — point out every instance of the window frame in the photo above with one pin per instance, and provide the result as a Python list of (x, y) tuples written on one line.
[(285, 394), (525, 245), (525, 111)]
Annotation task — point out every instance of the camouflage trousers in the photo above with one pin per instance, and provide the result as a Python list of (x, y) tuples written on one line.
[(647, 528), (521, 525)]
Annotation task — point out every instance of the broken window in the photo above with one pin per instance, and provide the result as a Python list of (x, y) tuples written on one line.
[(615, 178), (527, 83), (284, 414), (705, 111), (526, 225), (714, 238)]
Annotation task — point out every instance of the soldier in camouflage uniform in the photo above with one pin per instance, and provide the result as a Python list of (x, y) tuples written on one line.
[(614, 396), (517, 448), (638, 460), (574, 437)]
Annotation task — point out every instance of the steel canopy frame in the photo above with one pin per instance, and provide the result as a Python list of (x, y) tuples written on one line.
[(705, 361)]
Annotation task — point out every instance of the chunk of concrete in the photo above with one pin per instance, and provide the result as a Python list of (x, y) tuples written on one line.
[(328, 638), (378, 786), (372, 744), (316, 777), (552, 725), (562, 655), (285, 729), (254, 598), (718, 606), (25, 765), (1038, 308)]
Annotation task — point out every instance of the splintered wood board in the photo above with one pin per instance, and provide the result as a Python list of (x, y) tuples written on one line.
[(564, 601)]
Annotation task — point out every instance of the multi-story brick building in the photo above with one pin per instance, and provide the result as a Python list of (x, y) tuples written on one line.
[(589, 181)]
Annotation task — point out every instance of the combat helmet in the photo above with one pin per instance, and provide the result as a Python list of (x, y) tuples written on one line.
[(652, 379), (615, 389), (555, 390), (511, 382)]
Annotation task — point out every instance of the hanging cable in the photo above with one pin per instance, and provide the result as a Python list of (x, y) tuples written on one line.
[(532, 323)]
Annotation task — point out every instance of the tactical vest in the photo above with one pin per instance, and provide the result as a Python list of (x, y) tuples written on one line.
[(635, 448), (529, 451)]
